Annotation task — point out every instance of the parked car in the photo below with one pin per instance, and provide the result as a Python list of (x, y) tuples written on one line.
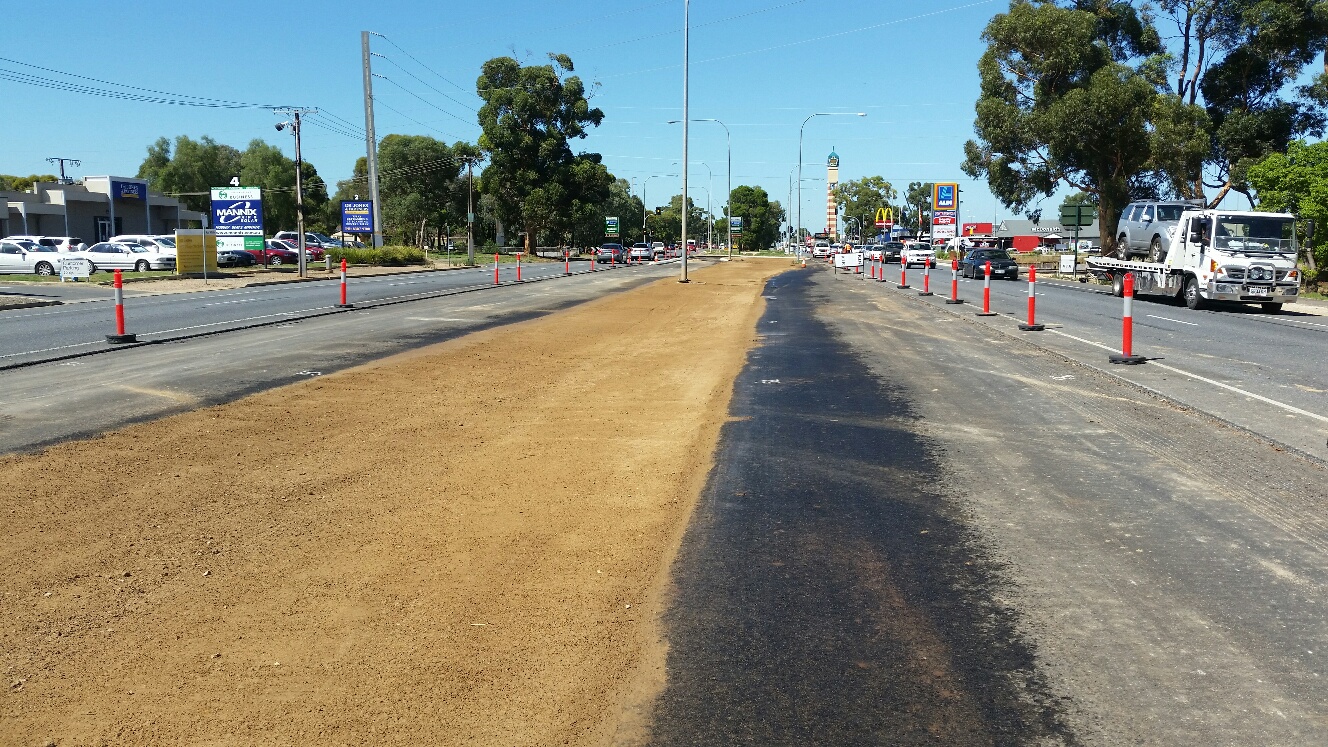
[(69, 243), (640, 253), (974, 264), (609, 253), (275, 253), (113, 255), (1146, 227), (312, 240), (39, 240), (24, 257), (161, 244), (311, 253), (235, 258), (919, 254)]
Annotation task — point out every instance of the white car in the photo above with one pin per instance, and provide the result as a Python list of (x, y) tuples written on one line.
[(23, 257), (159, 244), (42, 240), (112, 255), (821, 250), (917, 254)]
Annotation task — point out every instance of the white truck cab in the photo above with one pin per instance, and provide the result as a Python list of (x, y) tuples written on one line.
[(1219, 255)]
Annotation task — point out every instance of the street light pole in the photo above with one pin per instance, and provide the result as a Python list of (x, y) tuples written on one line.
[(728, 211), (686, 113), (800, 131)]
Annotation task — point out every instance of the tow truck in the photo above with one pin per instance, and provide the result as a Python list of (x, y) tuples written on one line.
[(1218, 255)]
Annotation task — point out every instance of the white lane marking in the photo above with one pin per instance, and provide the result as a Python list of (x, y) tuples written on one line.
[(1167, 319), (1204, 379), (48, 350), (1308, 324)]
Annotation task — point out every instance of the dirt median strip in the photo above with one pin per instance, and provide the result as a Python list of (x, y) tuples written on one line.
[(460, 545)]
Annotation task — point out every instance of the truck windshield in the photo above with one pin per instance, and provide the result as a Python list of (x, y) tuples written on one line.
[(1248, 233)]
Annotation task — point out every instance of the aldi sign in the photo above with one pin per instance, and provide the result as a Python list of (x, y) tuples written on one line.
[(945, 197), (237, 211)]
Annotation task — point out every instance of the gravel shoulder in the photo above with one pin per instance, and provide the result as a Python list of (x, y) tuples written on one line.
[(426, 563)]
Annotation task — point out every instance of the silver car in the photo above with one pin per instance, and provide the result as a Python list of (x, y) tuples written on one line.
[(1146, 228)]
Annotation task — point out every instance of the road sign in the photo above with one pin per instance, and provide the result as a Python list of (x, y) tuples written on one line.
[(1077, 215), (1068, 261), (945, 196), (74, 267), (735, 226), (357, 216), (611, 226), (850, 259)]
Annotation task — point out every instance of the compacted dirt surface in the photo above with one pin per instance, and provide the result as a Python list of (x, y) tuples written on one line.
[(387, 555)]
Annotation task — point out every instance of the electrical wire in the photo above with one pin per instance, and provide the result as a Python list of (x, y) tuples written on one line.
[(694, 26), (160, 97), (379, 102), (421, 64), (426, 101), (423, 83)]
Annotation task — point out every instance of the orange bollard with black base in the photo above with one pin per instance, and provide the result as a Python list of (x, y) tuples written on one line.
[(343, 304), (1127, 355), (954, 282), (495, 269), (903, 274), (986, 292), (120, 337), (1032, 325)]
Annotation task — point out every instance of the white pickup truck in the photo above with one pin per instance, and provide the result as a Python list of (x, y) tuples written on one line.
[(1218, 255)]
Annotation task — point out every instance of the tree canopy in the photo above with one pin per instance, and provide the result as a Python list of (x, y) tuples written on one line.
[(761, 218), (1296, 182), (861, 198), (529, 118), (9, 182)]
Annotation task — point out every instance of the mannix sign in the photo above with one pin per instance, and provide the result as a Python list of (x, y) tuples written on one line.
[(237, 211)]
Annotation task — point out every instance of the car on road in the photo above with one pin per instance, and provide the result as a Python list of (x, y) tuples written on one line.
[(873, 252), (974, 264), (921, 255), (658, 250), (24, 257), (113, 255), (1146, 227), (821, 250), (640, 253), (893, 249), (609, 253)]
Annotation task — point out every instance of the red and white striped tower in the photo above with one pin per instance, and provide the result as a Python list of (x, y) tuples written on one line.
[(831, 181)]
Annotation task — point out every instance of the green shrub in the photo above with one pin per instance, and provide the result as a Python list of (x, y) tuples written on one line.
[(392, 256)]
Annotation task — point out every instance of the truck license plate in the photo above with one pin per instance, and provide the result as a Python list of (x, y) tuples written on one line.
[(1256, 291)]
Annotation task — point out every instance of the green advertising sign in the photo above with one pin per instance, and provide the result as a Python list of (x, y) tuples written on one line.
[(1078, 215), (611, 226)]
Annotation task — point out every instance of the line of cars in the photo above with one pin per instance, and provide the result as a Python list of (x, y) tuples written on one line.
[(42, 255), (639, 252)]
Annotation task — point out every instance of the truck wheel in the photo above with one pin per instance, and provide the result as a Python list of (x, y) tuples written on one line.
[(1193, 300), (1272, 307), (1118, 286), (1155, 251)]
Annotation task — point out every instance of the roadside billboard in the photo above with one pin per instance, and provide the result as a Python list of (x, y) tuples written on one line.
[(357, 216), (945, 196), (193, 248), (237, 211)]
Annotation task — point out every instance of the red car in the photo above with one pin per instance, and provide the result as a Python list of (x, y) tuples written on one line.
[(312, 253), (274, 254)]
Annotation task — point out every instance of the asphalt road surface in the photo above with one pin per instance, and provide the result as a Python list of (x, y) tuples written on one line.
[(44, 333), (922, 530), (1259, 371), (54, 401)]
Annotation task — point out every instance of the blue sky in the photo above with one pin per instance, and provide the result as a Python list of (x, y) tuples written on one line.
[(761, 66)]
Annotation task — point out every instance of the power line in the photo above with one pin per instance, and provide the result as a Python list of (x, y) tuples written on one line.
[(160, 97), (423, 83), (416, 121), (421, 98), (421, 64), (694, 27)]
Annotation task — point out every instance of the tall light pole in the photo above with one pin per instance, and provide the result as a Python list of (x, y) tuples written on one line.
[(800, 130), (728, 200), (686, 113)]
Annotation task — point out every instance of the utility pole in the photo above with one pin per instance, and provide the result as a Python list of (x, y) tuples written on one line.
[(294, 124), (686, 41), (72, 162), (470, 211), (371, 143)]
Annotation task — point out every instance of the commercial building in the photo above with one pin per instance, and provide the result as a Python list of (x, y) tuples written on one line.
[(1027, 236), (95, 210)]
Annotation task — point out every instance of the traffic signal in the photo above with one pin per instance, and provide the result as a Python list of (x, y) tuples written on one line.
[(659, 211)]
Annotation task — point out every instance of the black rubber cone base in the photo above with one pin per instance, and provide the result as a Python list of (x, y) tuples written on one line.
[(926, 293), (903, 287), (985, 313), (1129, 360), (121, 339), (954, 300), (1032, 327), (344, 306)]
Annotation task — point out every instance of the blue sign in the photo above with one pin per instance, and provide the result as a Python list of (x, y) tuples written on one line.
[(129, 190), (945, 197), (357, 216), (237, 217)]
